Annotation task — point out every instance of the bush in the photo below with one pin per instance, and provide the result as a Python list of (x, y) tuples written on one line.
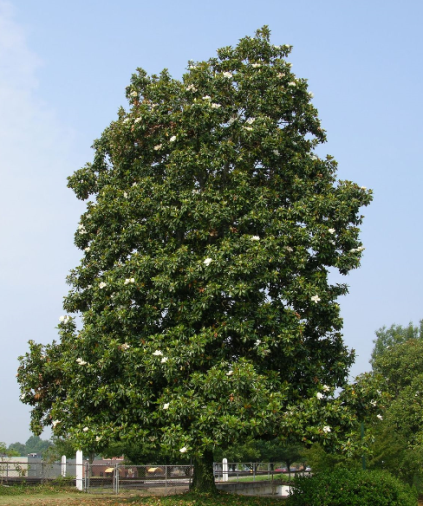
[(344, 487)]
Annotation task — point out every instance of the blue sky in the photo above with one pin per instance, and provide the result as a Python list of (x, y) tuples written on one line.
[(63, 70)]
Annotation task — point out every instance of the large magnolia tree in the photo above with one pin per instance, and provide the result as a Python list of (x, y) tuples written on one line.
[(210, 230)]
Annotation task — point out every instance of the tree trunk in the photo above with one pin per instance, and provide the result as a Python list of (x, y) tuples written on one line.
[(203, 480)]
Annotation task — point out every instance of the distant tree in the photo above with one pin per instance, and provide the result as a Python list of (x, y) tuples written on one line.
[(37, 445), (245, 451), (209, 238), (399, 366), (6, 452), (386, 338), (59, 447), (19, 448)]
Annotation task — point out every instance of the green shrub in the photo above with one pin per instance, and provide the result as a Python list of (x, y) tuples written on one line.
[(344, 487)]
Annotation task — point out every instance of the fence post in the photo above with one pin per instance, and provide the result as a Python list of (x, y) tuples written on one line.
[(254, 473), (79, 470), (225, 476), (117, 478), (63, 466)]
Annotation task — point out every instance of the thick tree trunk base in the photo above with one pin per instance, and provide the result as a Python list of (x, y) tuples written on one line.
[(203, 480)]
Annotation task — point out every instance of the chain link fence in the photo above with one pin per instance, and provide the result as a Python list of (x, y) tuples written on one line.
[(253, 471), (116, 476), (165, 479)]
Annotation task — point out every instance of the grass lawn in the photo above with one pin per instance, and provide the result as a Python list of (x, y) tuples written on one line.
[(261, 477), (45, 496)]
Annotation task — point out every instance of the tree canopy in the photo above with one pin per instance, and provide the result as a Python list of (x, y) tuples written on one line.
[(210, 231), (386, 338), (397, 361)]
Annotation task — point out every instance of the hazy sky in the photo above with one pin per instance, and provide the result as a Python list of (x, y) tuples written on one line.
[(63, 71)]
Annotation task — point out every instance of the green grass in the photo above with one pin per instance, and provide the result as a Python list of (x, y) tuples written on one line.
[(221, 499), (261, 477), (46, 496)]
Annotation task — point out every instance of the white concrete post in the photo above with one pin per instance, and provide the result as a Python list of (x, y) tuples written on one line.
[(79, 471), (225, 476), (63, 466)]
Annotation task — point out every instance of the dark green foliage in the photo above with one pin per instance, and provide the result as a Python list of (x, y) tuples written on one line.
[(344, 487)]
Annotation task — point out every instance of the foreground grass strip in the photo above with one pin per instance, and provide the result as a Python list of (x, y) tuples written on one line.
[(189, 499)]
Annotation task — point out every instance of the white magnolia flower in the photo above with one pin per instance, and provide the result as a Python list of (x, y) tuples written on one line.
[(276, 152), (289, 64), (227, 75), (81, 229), (126, 120), (62, 319), (158, 353), (326, 388), (166, 406), (248, 128), (232, 120), (315, 298), (87, 250), (125, 195), (364, 187), (137, 120), (229, 373), (357, 250), (380, 417), (319, 395), (250, 121), (22, 397), (215, 106), (257, 343), (208, 261), (184, 449), (313, 157), (331, 231), (129, 280), (311, 95), (125, 346), (206, 97), (157, 147), (289, 249), (326, 429), (55, 422), (85, 429), (173, 138), (134, 93), (292, 83), (277, 47), (256, 65), (98, 438), (191, 87), (80, 361), (287, 45), (373, 403), (192, 67), (164, 360), (280, 75), (255, 238), (102, 284)]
